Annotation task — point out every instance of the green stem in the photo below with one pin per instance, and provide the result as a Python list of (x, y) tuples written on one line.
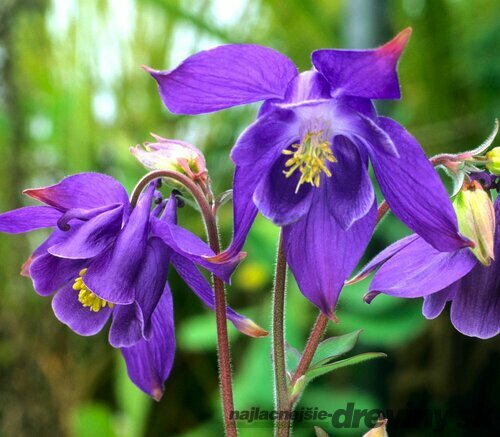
[(280, 377)]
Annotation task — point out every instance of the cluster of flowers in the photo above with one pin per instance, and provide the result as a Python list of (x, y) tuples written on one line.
[(304, 165)]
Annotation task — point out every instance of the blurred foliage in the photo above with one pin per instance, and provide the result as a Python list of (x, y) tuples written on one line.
[(73, 98)]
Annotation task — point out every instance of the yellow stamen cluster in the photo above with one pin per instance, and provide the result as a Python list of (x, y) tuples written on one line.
[(309, 157), (86, 297)]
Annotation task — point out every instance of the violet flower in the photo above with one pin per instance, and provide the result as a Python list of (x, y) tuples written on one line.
[(304, 162), (413, 268), (105, 260)]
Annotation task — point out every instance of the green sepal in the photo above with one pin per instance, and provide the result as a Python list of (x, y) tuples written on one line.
[(334, 347)]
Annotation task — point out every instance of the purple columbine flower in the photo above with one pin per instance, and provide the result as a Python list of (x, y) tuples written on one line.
[(413, 268), (304, 162), (106, 259)]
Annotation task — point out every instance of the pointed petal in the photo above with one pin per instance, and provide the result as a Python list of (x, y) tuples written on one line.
[(83, 190), (415, 192), (199, 285), (225, 76), (364, 73), (80, 319), (322, 255), (126, 328), (382, 257), (28, 218), (149, 362), (92, 237), (418, 270), (111, 276), (350, 187), (276, 195), (434, 303), (191, 247)]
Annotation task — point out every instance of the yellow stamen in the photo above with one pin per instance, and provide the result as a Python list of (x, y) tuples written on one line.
[(86, 297), (309, 157)]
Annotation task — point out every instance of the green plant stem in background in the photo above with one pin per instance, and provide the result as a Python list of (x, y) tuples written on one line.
[(282, 426), (223, 353)]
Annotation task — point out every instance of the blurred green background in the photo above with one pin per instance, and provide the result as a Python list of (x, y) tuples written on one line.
[(73, 98)]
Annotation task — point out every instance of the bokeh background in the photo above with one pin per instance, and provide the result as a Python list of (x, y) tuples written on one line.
[(73, 98)]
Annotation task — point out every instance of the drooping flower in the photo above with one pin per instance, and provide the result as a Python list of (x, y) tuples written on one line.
[(106, 259), (166, 154), (413, 268), (304, 162)]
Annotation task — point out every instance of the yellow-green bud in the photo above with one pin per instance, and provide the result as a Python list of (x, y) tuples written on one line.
[(493, 157), (476, 219)]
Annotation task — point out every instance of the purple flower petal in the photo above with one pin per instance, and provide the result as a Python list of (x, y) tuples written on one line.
[(382, 257), (418, 270), (92, 237), (83, 190), (191, 247), (28, 219), (126, 328), (276, 196), (80, 319), (434, 303), (322, 255), (415, 192), (149, 362), (309, 85), (200, 286), (350, 187), (364, 73), (223, 77), (112, 274)]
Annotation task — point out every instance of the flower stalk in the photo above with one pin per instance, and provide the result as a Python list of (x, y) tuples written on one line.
[(223, 352)]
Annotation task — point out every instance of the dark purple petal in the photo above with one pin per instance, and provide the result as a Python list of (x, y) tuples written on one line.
[(112, 274), (475, 310), (82, 214), (419, 270), (276, 195), (191, 247), (149, 362), (350, 187), (92, 237), (434, 303), (309, 85), (28, 219), (415, 192), (382, 257), (126, 328), (83, 190), (364, 73), (322, 255), (200, 286), (224, 76), (80, 319), (49, 273)]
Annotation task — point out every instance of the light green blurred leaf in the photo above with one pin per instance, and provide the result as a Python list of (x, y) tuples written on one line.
[(322, 370), (93, 420), (334, 347)]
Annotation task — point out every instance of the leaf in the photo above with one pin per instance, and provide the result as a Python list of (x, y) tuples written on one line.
[(334, 347), (320, 432), (322, 370)]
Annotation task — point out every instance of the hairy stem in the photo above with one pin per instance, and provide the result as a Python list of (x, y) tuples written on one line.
[(280, 376), (223, 353)]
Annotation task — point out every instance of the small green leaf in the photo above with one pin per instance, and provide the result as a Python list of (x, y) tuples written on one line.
[(322, 370), (297, 389), (334, 347)]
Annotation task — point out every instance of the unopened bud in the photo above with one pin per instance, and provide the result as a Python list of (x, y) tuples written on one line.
[(493, 157), (380, 429), (476, 219), (173, 155)]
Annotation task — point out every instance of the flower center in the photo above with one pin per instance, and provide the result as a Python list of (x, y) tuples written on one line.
[(86, 297), (310, 158)]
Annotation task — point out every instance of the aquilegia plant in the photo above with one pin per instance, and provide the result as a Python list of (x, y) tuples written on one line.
[(304, 164)]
